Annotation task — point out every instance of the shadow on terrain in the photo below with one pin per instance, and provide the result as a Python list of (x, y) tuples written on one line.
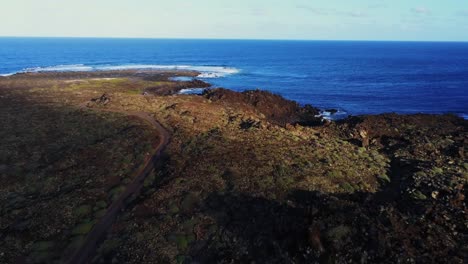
[(311, 226), (48, 198)]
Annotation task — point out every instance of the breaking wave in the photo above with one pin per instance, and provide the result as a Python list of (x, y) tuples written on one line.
[(7, 74), (333, 114), (205, 71), (192, 91), (60, 68)]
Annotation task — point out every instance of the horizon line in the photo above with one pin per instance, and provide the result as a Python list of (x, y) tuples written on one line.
[(234, 39)]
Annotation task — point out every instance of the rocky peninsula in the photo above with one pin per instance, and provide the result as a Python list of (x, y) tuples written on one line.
[(239, 178)]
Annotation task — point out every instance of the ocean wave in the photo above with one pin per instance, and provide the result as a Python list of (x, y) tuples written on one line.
[(215, 71), (332, 115), (139, 67), (192, 91), (205, 71), (60, 68), (7, 74)]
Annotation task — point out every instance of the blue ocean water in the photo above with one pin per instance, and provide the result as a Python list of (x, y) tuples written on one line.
[(355, 77)]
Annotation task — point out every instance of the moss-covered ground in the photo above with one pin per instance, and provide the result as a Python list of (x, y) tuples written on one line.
[(233, 185)]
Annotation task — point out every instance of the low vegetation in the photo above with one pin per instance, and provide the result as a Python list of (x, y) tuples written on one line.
[(246, 177)]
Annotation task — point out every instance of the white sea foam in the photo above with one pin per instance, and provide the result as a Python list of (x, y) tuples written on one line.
[(205, 71), (327, 115), (138, 67), (192, 91), (61, 68), (215, 71), (7, 74)]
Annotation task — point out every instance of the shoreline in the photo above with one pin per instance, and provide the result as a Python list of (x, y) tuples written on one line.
[(206, 72), (188, 76), (361, 78), (243, 170)]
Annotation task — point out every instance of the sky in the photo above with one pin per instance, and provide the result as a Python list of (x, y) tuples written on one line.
[(416, 20)]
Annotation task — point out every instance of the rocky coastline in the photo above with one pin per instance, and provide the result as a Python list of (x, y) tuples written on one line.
[(246, 177)]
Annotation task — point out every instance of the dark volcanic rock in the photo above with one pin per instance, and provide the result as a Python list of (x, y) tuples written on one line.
[(103, 100), (196, 84), (276, 109), (175, 87)]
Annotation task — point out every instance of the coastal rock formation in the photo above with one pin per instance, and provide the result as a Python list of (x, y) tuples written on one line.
[(247, 177), (103, 100), (168, 88), (275, 108)]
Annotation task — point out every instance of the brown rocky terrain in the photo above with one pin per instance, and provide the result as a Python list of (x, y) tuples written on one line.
[(247, 177), (276, 109)]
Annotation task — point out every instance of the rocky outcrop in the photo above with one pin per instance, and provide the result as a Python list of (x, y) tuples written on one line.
[(103, 100), (169, 88), (275, 108)]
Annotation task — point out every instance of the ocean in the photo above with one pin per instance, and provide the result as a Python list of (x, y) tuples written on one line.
[(355, 77)]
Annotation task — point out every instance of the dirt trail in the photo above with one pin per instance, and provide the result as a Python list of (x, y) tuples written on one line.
[(97, 234)]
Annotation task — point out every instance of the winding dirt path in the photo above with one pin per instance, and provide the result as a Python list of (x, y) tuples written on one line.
[(88, 249)]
